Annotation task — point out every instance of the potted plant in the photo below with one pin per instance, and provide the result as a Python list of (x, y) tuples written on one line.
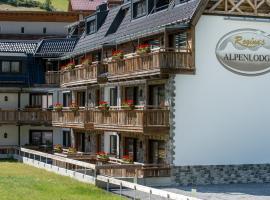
[(58, 148), (103, 156), (73, 107), (70, 66), (86, 62), (143, 49), (103, 105), (58, 107), (128, 105), (72, 150), (117, 55), (127, 159)]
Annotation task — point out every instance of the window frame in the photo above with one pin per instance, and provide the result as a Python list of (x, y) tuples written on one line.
[(91, 24), (41, 132), (10, 66), (135, 8)]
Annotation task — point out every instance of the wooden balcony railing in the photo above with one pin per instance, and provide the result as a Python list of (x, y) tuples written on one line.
[(25, 117), (157, 62), (80, 75), (70, 119), (132, 120), (114, 120), (52, 77)]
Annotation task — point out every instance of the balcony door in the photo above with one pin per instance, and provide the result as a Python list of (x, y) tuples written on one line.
[(80, 142), (80, 99), (113, 96), (131, 148), (132, 93), (43, 101), (66, 99), (156, 95), (156, 152)]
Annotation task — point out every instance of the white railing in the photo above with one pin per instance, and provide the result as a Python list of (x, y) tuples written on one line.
[(80, 171)]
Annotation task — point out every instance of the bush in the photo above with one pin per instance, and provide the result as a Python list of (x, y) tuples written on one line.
[(31, 4)]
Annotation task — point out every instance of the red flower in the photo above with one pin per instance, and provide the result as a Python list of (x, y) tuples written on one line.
[(117, 52), (142, 46)]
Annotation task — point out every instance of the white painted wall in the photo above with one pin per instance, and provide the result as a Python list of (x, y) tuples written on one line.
[(55, 28), (12, 135), (11, 103), (221, 117)]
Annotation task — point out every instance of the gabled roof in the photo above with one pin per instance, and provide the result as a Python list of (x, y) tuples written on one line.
[(136, 28), (85, 5), (27, 47), (56, 47)]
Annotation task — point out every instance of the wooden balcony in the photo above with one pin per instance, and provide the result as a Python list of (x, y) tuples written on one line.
[(142, 121), (82, 119), (160, 62), (52, 78), (25, 117), (80, 75)]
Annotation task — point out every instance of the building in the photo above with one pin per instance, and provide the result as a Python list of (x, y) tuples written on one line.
[(174, 88), (31, 25), (86, 6)]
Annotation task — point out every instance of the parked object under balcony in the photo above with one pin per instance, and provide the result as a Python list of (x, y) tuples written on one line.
[(58, 107), (103, 156), (143, 49), (73, 107), (117, 55), (128, 105), (58, 148), (104, 106)]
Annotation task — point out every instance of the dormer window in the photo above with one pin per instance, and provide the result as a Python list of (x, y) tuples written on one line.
[(91, 27), (139, 9)]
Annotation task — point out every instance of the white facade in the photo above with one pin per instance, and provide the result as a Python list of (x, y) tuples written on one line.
[(221, 117), (34, 28)]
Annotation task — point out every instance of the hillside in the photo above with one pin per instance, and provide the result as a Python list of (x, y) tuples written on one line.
[(59, 5)]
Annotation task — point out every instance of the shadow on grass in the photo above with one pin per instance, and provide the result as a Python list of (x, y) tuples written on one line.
[(7, 160)]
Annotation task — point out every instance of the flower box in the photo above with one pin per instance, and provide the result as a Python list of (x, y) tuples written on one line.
[(70, 66), (86, 62), (103, 156), (143, 49), (58, 107), (127, 159), (117, 55), (58, 148), (128, 105), (104, 106), (73, 107)]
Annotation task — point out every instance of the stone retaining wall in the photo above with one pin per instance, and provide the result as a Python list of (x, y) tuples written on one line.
[(222, 174)]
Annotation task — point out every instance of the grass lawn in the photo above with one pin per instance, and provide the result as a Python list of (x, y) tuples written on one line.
[(23, 182), (60, 5)]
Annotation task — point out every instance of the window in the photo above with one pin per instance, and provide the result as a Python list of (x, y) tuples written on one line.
[(113, 96), (91, 27), (10, 67), (81, 99), (139, 9), (113, 144), (22, 29), (66, 139), (41, 137), (44, 30), (181, 41), (66, 99)]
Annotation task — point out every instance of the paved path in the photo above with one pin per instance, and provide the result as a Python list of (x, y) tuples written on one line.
[(227, 192), (213, 192)]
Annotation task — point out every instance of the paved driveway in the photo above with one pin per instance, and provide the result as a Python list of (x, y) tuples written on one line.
[(227, 192)]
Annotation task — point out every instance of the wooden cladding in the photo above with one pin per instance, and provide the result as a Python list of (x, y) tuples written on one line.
[(39, 16), (142, 121), (80, 75), (150, 64), (52, 78), (38, 117), (241, 7)]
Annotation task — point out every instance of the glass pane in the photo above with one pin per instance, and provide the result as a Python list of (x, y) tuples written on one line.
[(15, 67), (47, 138), (36, 138), (5, 66)]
